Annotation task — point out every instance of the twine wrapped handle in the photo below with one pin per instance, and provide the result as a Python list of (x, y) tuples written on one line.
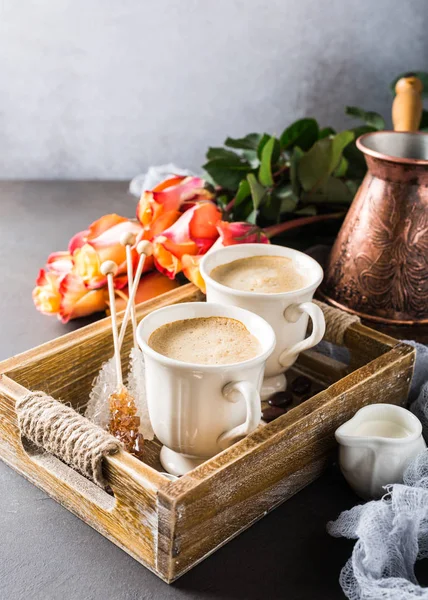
[(63, 432), (336, 323)]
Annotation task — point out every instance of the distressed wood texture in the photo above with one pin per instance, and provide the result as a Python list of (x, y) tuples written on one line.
[(171, 526)]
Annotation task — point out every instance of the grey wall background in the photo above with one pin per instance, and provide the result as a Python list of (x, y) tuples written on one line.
[(104, 88)]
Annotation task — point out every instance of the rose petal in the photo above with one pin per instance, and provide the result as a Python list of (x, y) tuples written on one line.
[(161, 223), (46, 295), (77, 300), (197, 224), (98, 228), (190, 265), (60, 262), (203, 224), (170, 195)]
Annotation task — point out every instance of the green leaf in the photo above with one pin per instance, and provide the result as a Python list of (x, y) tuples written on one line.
[(258, 192), (249, 142), (271, 207), (322, 159), (288, 199), (265, 171), (263, 141), (225, 173), (207, 177), (214, 153), (302, 133), (342, 167), (370, 118), (242, 193), (332, 191), (339, 143), (294, 162), (336, 191), (252, 157), (422, 75), (252, 217), (314, 166), (276, 150), (356, 162), (326, 132)]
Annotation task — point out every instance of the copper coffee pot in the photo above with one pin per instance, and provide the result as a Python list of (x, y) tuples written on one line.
[(378, 267)]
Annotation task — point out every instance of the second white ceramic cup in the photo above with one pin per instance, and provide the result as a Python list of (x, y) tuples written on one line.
[(286, 312), (196, 410)]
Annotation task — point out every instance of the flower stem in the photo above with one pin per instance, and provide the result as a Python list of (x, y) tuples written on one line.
[(229, 206), (274, 230)]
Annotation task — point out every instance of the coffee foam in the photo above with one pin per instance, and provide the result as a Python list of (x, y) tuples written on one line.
[(205, 341), (263, 274)]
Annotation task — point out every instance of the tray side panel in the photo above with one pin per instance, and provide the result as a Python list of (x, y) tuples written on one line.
[(225, 495), (129, 519)]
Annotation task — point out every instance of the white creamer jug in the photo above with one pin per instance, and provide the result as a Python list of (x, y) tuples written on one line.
[(376, 445)]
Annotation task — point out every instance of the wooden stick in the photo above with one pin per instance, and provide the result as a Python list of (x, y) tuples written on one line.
[(109, 268), (144, 249), (128, 240)]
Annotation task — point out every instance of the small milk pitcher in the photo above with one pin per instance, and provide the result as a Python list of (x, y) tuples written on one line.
[(376, 445)]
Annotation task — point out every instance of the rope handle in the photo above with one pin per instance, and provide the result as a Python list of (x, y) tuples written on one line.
[(337, 322), (66, 434)]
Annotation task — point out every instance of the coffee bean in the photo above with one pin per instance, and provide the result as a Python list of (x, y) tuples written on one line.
[(301, 385), (281, 399), (272, 412)]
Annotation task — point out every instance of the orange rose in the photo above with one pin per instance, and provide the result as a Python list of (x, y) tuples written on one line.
[(46, 295), (168, 200), (59, 290), (77, 300), (193, 233), (100, 242)]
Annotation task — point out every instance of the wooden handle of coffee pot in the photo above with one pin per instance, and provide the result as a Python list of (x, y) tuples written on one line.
[(407, 105)]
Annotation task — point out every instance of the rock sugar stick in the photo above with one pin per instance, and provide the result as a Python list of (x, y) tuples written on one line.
[(123, 423), (136, 382)]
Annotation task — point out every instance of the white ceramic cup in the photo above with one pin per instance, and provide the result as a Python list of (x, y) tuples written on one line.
[(286, 312), (195, 410)]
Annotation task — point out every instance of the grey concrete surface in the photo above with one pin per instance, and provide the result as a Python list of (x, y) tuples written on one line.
[(104, 89), (46, 553)]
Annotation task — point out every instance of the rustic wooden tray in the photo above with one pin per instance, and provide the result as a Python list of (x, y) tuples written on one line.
[(171, 526)]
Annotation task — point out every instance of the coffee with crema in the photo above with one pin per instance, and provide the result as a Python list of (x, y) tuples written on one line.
[(205, 341), (263, 274)]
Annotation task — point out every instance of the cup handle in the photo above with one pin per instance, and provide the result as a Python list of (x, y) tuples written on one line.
[(291, 314), (232, 392)]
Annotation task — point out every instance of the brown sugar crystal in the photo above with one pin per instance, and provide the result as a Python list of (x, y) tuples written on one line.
[(124, 422)]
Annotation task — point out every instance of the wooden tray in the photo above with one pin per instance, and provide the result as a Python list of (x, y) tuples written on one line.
[(171, 526)]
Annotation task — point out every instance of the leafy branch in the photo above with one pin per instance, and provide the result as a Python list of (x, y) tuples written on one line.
[(307, 171)]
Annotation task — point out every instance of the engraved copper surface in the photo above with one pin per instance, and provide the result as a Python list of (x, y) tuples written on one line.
[(378, 267)]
